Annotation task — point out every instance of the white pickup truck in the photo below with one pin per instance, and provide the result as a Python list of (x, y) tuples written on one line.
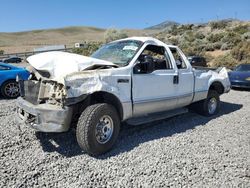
[(134, 80)]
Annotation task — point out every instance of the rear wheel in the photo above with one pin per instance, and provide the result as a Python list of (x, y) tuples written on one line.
[(210, 106), (98, 128), (10, 89)]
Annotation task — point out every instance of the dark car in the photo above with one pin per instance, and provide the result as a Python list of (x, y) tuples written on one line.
[(240, 76), (197, 61), (12, 60)]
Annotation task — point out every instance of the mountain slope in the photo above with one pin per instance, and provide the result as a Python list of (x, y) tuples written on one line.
[(164, 25), (26, 41)]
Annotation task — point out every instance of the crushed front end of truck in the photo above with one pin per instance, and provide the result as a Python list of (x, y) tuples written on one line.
[(42, 106), (48, 97)]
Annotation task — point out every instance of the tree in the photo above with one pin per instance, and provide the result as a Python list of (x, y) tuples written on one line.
[(90, 48), (1, 52), (114, 34)]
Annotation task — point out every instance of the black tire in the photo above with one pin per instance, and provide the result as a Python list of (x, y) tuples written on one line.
[(7, 93), (202, 107), (86, 131)]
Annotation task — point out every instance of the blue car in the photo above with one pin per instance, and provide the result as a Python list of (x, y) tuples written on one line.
[(8, 86), (240, 76)]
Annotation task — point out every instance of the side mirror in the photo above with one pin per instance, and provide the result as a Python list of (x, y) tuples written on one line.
[(146, 65)]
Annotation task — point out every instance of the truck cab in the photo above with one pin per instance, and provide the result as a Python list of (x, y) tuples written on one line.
[(170, 82)]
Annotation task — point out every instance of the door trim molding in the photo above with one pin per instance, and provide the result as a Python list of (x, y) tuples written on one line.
[(162, 98)]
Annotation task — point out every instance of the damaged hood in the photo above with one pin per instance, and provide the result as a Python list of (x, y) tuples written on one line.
[(60, 64)]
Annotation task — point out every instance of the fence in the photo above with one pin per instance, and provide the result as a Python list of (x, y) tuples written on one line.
[(24, 55)]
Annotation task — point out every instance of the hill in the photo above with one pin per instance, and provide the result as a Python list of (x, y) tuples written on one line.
[(224, 42), (26, 41), (163, 25)]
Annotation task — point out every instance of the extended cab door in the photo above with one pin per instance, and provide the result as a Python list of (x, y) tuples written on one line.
[(155, 91), (185, 84)]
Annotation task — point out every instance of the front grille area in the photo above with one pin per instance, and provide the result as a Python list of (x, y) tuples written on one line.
[(31, 91)]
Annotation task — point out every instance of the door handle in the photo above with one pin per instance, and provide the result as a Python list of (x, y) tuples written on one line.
[(176, 79)]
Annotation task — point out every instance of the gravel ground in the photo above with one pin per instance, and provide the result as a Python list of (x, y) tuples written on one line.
[(184, 151)]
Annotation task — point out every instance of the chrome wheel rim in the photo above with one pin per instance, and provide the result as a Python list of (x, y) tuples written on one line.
[(104, 129), (212, 105), (11, 89)]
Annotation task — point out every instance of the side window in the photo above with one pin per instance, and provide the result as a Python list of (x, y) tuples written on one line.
[(4, 68), (196, 59), (159, 55), (180, 63)]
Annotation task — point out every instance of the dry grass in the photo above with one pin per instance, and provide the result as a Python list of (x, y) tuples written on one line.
[(217, 53), (27, 41)]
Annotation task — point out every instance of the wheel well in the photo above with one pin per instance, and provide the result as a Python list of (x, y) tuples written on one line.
[(7, 81), (105, 97), (98, 97), (217, 86)]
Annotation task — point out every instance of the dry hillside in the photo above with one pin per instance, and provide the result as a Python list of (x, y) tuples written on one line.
[(26, 41), (223, 42)]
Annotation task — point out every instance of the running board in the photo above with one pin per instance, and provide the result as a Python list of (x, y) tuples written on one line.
[(156, 116)]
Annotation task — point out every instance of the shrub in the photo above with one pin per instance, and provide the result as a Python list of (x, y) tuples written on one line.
[(174, 30), (114, 34), (232, 39), (217, 45), (189, 36), (241, 29), (190, 51), (210, 47), (199, 45), (224, 61), (185, 27), (218, 24), (1, 52), (196, 47), (90, 48), (199, 35), (241, 52), (224, 46), (173, 40), (246, 36), (215, 37), (208, 57)]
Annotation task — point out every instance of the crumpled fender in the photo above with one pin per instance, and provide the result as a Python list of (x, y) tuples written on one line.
[(88, 82), (220, 76)]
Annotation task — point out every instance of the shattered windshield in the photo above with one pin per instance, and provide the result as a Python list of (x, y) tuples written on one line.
[(119, 53)]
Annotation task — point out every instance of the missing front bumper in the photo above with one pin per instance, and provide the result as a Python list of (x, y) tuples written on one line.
[(44, 117)]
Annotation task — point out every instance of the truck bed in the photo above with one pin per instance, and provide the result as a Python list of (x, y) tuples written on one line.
[(205, 76)]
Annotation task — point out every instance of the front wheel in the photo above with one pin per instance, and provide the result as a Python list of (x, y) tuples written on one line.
[(10, 89), (98, 128)]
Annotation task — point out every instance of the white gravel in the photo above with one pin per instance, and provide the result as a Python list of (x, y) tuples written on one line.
[(185, 151)]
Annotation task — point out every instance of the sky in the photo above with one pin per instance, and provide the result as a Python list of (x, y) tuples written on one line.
[(23, 15)]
